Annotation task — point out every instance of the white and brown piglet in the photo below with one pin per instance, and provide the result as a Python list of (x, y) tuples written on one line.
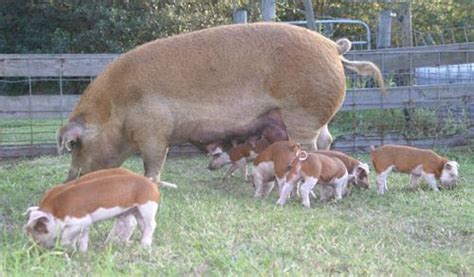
[(239, 156), (272, 164), (416, 162), (359, 170), (67, 211), (312, 169)]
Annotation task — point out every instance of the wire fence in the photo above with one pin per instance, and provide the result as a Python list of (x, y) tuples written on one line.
[(444, 36), (429, 100)]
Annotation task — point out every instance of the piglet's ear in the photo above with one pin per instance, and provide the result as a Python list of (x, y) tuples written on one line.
[(449, 165), (30, 209), (37, 215), (40, 225), (68, 136), (253, 141), (295, 147)]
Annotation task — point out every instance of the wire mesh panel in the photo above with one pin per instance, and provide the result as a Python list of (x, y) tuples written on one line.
[(32, 108), (427, 104), (37, 92), (429, 99)]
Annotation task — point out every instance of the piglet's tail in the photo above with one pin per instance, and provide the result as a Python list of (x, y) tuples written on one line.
[(302, 155)]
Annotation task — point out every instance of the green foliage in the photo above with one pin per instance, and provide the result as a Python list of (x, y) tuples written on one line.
[(94, 28), (117, 26), (427, 16)]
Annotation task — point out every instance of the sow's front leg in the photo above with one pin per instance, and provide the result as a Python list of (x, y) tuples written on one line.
[(154, 156)]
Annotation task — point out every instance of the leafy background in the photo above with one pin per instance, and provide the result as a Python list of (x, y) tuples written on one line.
[(114, 26)]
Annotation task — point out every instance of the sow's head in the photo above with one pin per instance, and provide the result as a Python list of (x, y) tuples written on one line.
[(90, 150)]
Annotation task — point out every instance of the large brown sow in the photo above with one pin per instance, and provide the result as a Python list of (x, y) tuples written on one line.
[(203, 87)]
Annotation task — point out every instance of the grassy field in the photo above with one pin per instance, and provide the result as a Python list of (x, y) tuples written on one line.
[(205, 227)]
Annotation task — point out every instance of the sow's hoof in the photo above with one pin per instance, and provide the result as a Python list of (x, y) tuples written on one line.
[(167, 185)]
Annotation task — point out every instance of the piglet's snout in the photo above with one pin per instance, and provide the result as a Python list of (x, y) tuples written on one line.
[(218, 161)]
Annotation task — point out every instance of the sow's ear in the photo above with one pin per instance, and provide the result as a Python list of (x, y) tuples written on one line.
[(68, 136)]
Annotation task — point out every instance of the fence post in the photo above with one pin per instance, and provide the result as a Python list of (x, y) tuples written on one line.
[(240, 16), (268, 10), (308, 7), (405, 19), (384, 29)]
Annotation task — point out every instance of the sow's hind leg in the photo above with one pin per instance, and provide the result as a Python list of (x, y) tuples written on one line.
[(301, 126), (323, 140)]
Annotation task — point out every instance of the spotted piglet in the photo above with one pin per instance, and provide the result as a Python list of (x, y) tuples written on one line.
[(238, 157), (314, 169), (67, 211), (272, 164), (416, 162)]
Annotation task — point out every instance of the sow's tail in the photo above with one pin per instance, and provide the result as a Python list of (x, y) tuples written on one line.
[(343, 46), (361, 67)]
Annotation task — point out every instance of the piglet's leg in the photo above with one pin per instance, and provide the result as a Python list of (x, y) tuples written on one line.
[(70, 236), (258, 182), (325, 192), (288, 186), (84, 240), (280, 182), (431, 180), (146, 221), (242, 165), (122, 229), (113, 232), (305, 190), (129, 223), (268, 188), (382, 180), (228, 173), (297, 191), (340, 186), (414, 178)]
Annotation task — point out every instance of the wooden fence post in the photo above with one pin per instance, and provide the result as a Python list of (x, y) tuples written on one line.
[(384, 29), (405, 20), (308, 7), (268, 10), (240, 16)]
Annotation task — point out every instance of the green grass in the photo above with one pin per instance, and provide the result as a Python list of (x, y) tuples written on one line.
[(205, 227)]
